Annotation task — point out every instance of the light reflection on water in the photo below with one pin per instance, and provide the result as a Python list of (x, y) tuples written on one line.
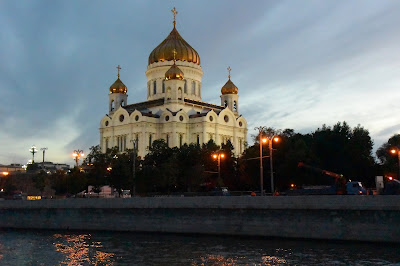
[(110, 248)]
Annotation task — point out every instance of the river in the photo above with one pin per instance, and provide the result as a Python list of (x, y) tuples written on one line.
[(24, 247)]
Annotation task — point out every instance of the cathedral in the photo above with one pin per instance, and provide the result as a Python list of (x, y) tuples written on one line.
[(174, 110)]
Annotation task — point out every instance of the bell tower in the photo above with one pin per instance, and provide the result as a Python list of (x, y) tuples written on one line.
[(230, 97), (117, 96)]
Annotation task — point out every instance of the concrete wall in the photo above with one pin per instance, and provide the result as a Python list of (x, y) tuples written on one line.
[(363, 218)]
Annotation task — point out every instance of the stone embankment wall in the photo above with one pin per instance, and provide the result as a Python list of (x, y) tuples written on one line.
[(361, 218)]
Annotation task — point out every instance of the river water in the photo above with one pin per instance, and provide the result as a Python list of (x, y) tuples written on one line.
[(23, 247)]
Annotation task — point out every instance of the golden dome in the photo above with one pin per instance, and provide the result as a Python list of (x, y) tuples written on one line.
[(229, 88), (164, 51), (118, 87), (174, 72)]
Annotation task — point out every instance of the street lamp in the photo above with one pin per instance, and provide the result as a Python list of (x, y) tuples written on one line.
[(218, 156), (43, 149), (394, 151), (134, 151), (76, 155), (276, 139), (33, 150)]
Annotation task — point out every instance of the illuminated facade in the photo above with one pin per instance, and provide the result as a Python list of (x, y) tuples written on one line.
[(173, 110)]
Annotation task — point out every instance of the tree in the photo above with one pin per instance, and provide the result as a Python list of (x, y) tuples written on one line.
[(389, 161)]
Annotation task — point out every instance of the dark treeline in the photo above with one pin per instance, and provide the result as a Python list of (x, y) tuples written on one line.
[(191, 168)]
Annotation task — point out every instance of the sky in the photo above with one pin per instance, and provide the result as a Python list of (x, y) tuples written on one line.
[(297, 64)]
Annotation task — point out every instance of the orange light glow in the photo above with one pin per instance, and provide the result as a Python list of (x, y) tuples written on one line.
[(264, 140), (393, 151), (390, 178), (109, 168), (291, 185), (74, 154), (5, 173), (214, 156), (276, 139), (222, 155)]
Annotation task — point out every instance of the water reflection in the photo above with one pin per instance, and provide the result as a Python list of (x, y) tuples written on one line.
[(80, 250), (21, 247)]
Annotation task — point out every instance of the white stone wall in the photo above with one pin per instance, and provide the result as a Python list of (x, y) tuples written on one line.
[(219, 127)]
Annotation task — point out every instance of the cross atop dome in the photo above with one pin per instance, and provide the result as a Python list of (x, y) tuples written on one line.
[(175, 12), (119, 68), (229, 71)]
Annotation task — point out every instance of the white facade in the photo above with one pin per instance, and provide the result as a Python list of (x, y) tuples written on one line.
[(173, 112)]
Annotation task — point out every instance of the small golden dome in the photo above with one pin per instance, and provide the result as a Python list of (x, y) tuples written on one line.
[(118, 87), (229, 88), (174, 72), (164, 51)]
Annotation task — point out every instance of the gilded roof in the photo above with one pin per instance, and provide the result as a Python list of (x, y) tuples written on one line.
[(229, 88), (174, 73), (118, 87), (164, 51)]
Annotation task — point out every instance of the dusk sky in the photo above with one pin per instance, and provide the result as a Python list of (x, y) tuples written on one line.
[(297, 64)]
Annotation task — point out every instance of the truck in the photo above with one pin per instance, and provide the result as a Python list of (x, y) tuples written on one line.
[(340, 187)]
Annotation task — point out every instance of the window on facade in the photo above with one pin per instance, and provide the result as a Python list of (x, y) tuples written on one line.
[(112, 105), (225, 104), (163, 86), (167, 140), (234, 106), (137, 143), (148, 89), (193, 87), (150, 140), (185, 88), (240, 146), (154, 87), (122, 103), (180, 140), (198, 140), (106, 144)]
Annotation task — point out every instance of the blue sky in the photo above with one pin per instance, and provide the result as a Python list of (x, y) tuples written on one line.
[(297, 64)]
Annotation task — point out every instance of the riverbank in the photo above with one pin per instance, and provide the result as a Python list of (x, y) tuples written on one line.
[(358, 218)]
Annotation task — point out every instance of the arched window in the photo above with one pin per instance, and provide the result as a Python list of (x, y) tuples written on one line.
[(234, 106), (154, 87), (167, 140), (124, 142), (112, 105), (180, 140), (106, 144), (163, 86), (225, 104), (193, 87), (198, 140), (185, 87), (122, 103)]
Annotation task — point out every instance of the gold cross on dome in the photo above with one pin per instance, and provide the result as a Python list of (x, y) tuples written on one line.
[(175, 53), (229, 70), (119, 68), (175, 12)]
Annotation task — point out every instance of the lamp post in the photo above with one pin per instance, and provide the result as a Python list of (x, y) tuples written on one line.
[(43, 149), (76, 155), (394, 151), (33, 150), (134, 151), (218, 156), (261, 140), (276, 139)]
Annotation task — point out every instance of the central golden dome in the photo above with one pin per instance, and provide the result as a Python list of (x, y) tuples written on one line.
[(174, 41)]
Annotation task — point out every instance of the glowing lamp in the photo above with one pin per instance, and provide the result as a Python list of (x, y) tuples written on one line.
[(264, 140), (393, 151)]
